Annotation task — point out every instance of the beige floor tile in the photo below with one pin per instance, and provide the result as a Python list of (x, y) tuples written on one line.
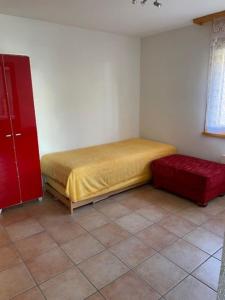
[(194, 214), (129, 287), (209, 273), (204, 240), (32, 294), (102, 269), (156, 196), (160, 273), (36, 209), (96, 296), (216, 225), (137, 210), (191, 289), (110, 234), (8, 257), (127, 194), (134, 202), (55, 217), (13, 215), (153, 213), (218, 254), (174, 203), (213, 208), (84, 210), (82, 248), (92, 220), (145, 190), (185, 255), (220, 201), (142, 195), (66, 232), (4, 237), (133, 223), (121, 196), (105, 202), (132, 251), (221, 215), (157, 237), (68, 285), (178, 226), (15, 281), (35, 245), (23, 229), (48, 265), (114, 210)]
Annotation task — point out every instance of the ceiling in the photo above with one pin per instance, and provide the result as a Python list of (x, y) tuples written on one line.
[(118, 16)]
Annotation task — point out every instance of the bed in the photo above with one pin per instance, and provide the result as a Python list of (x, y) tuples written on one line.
[(86, 175)]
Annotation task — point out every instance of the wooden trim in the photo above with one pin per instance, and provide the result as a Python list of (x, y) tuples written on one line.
[(209, 18), (217, 135), (72, 205)]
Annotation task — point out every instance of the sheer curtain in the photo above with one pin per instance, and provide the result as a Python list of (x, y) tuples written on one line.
[(215, 114)]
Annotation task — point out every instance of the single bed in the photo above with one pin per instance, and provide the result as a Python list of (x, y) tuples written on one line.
[(86, 175)]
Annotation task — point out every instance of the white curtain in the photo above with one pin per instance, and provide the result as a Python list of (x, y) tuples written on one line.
[(215, 115)]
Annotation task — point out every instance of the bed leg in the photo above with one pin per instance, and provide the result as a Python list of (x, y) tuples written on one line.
[(71, 208)]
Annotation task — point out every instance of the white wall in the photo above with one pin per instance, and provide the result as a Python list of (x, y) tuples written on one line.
[(86, 83), (174, 68)]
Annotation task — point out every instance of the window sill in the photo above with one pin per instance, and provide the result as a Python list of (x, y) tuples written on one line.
[(216, 135)]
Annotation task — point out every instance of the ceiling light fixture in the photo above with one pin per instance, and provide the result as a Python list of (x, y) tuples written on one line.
[(156, 3)]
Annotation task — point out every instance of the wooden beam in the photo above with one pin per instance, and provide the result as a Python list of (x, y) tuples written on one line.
[(209, 18)]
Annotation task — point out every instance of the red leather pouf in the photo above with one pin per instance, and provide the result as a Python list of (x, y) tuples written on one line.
[(197, 179)]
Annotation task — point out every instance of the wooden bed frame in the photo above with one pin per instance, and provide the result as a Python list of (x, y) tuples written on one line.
[(72, 205)]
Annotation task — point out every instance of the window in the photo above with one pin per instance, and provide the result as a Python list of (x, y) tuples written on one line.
[(215, 114)]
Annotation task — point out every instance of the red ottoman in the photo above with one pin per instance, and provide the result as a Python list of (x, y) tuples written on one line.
[(197, 179)]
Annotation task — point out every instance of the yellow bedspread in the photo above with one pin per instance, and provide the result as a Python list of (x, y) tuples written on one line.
[(94, 171)]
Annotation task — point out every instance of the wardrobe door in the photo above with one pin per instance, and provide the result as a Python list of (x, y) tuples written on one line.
[(9, 184), (19, 90)]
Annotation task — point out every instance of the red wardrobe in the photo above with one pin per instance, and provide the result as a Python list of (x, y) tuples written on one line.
[(20, 175)]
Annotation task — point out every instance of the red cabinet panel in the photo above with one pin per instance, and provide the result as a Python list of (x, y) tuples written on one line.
[(24, 143), (20, 96), (9, 183)]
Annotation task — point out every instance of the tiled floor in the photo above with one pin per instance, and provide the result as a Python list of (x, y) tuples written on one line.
[(143, 244)]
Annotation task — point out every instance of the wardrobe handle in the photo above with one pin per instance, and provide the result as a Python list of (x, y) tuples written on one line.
[(8, 136), (18, 134)]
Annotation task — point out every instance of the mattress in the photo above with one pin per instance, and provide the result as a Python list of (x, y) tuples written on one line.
[(90, 172)]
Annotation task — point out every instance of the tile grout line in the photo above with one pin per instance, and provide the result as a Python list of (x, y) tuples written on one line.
[(105, 249), (129, 267), (27, 269), (24, 262), (108, 248), (179, 238), (76, 265), (133, 268)]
